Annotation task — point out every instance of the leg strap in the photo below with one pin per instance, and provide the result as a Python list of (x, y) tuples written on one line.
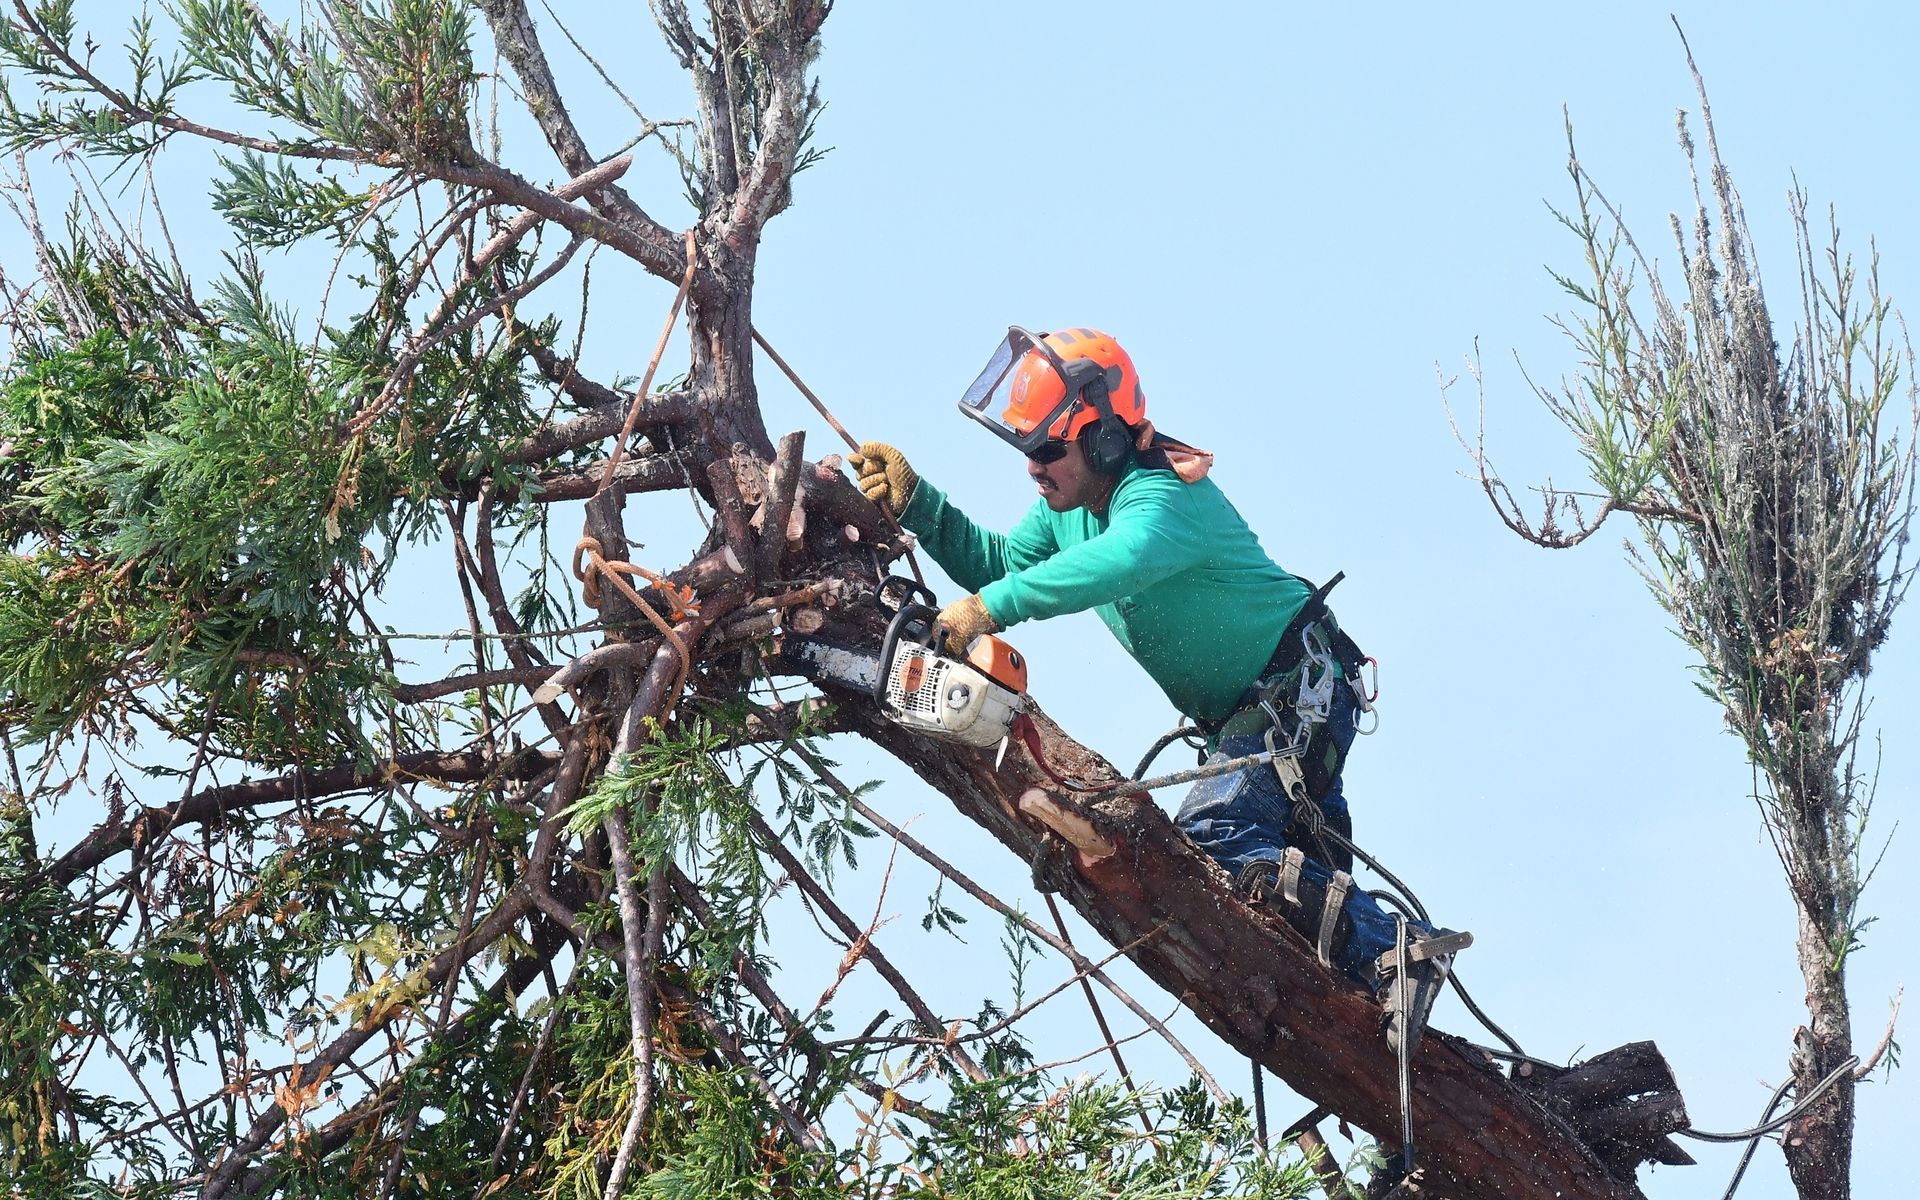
[(1336, 903), (1290, 864)]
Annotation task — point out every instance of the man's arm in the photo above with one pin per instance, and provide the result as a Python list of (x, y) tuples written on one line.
[(974, 556), (1153, 533)]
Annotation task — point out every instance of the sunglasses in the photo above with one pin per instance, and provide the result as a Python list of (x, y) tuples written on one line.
[(1051, 451)]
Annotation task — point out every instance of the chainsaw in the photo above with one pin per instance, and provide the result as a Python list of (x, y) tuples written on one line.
[(972, 700)]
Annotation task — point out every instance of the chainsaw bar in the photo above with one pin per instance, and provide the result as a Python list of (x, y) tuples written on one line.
[(830, 663)]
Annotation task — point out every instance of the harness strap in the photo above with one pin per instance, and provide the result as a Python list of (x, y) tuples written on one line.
[(1290, 649), (1290, 864), (1336, 903), (1402, 1003)]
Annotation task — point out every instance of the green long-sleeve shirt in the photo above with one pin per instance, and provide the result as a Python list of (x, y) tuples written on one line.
[(1171, 568)]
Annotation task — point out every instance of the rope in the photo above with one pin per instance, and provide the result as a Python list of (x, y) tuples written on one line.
[(646, 381), (852, 442), (1181, 732), (598, 566), (1785, 1118)]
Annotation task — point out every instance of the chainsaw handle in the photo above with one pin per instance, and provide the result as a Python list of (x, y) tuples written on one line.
[(913, 621), (910, 591)]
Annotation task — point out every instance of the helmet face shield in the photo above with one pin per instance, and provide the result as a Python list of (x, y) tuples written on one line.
[(1025, 390)]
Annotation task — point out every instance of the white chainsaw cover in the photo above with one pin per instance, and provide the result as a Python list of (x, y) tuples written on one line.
[(942, 698)]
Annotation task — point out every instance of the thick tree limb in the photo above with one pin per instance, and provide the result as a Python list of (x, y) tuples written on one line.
[(666, 261), (453, 685), (1257, 984), (778, 511), (608, 413), (644, 473)]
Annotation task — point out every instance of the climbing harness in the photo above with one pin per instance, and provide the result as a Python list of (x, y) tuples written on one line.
[(1295, 693), (1292, 706)]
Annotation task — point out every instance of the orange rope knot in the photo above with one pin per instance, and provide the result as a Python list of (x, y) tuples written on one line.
[(681, 599), (590, 566)]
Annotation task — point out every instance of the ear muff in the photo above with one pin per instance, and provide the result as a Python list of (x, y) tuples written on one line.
[(1108, 442), (1108, 445)]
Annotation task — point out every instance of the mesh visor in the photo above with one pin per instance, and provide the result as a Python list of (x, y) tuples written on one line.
[(1014, 418)]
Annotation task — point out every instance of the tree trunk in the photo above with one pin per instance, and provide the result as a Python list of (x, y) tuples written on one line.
[(1256, 982), (1819, 1145)]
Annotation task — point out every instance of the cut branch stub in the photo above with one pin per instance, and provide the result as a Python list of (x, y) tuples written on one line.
[(1089, 843), (1623, 1103)]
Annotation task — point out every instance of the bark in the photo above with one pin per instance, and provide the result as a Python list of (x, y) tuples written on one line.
[(1819, 1145), (1256, 982)]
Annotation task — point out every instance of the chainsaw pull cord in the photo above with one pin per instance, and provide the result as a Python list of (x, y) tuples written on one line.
[(853, 443)]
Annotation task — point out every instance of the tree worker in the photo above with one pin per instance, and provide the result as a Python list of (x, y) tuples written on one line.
[(1128, 524)]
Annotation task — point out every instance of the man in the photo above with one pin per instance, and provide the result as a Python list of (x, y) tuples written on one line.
[(1128, 525)]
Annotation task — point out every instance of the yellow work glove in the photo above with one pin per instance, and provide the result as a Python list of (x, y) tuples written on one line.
[(962, 621), (884, 476)]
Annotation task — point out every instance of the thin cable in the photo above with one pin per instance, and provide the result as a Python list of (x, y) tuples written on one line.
[(1181, 732), (1746, 1156), (1419, 909), (1519, 1058), (1785, 1118), (1453, 977)]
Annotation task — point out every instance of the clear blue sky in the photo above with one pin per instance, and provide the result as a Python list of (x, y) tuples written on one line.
[(1297, 221), (1292, 215)]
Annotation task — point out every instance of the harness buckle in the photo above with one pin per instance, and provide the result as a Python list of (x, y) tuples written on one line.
[(1286, 763)]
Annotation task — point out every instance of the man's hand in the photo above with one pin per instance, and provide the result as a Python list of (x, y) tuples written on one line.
[(962, 621), (884, 476)]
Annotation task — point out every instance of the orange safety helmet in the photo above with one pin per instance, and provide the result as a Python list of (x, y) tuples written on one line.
[(1037, 387), (1040, 388)]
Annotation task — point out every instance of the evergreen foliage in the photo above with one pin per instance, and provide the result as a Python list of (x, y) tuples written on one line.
[(335, 934)]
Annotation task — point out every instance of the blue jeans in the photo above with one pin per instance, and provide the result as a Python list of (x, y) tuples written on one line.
[(1244, 817)]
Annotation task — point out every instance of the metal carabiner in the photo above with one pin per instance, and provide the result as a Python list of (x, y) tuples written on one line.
[(1363, 699), (1286, 765), (1316, 692), (1297, 741)]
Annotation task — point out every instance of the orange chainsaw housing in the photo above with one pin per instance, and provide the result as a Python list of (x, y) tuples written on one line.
[(999, 662)]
